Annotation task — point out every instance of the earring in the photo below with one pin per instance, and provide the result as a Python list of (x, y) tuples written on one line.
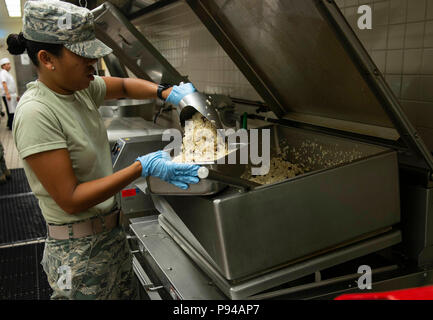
[(53, 68)]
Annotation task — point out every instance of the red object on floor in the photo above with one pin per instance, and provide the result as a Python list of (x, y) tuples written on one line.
[(422, 293)]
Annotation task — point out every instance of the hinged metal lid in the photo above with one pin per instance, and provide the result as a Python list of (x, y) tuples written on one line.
[(304, 59)]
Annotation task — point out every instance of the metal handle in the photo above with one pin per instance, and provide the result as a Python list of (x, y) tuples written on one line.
[(147, 287), (145, 280), (206, 173)]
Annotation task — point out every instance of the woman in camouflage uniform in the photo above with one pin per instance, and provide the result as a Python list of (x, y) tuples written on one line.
[(61, 138)]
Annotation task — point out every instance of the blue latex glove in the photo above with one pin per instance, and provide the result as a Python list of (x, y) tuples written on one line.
[(159, 164), (180, 91)]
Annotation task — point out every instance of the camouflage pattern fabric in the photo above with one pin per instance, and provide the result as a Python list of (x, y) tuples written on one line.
[(93, 49), (50, 21), (3, 167), (90, 268)]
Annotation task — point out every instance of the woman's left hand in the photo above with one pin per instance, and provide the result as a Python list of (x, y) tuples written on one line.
[(159, 164)]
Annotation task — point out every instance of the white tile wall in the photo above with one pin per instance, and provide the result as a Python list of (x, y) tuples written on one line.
[(193, 51), (401, 44)]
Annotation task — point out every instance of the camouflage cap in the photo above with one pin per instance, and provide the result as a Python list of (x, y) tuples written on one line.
[(53, 21)]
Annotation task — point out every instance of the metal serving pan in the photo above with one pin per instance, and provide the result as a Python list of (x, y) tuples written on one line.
[(204, 187)]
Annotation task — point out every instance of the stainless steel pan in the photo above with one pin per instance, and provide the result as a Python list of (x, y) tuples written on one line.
[(206, 186)]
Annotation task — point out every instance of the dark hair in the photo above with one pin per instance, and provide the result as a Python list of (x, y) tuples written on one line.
[(17, 44)]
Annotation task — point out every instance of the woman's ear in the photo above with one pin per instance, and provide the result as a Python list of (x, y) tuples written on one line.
[(46, 60)]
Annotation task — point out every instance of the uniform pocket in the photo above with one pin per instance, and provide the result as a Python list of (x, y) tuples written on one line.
[(54, 263), (65, 262)]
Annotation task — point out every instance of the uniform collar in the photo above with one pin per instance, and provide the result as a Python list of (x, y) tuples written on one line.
[(67, 97)]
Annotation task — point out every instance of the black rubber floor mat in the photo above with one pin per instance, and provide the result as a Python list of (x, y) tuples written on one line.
[(21, 219), (18, 184), (21, 275)]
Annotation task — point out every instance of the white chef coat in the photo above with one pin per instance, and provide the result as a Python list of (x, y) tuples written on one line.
[(10, 82), (12, 103)]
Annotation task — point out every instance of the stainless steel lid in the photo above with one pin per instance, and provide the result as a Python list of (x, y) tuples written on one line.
[(306, 63)]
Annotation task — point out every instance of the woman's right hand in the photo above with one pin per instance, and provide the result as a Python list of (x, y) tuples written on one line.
[(178, 92), (159, 164)]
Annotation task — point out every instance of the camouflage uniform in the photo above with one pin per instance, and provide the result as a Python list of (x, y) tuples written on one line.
[(98, 266), (93, 267)]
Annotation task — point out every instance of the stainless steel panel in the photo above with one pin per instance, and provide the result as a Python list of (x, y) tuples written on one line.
[(24, 73), (417, 223), (209, 174), (250, 287), (289, 52), (138, 54), (163, 207), (177, 33), (176, 269), (125, 108), (114, 67), (203, 188), (124, 153), (119, 127), (303, 215), (131, 47)]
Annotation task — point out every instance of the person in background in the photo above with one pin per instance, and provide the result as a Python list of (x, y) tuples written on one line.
[(2, 114), (5, 173), (63, 142), (9, 90), (3, 62)]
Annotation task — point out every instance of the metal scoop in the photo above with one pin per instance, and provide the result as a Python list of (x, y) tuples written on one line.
[(194, 102)]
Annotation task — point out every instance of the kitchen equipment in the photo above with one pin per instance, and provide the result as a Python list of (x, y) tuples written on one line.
[(128, 108), (135, 198), (336, 116), (305, 215), (122, 127)]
